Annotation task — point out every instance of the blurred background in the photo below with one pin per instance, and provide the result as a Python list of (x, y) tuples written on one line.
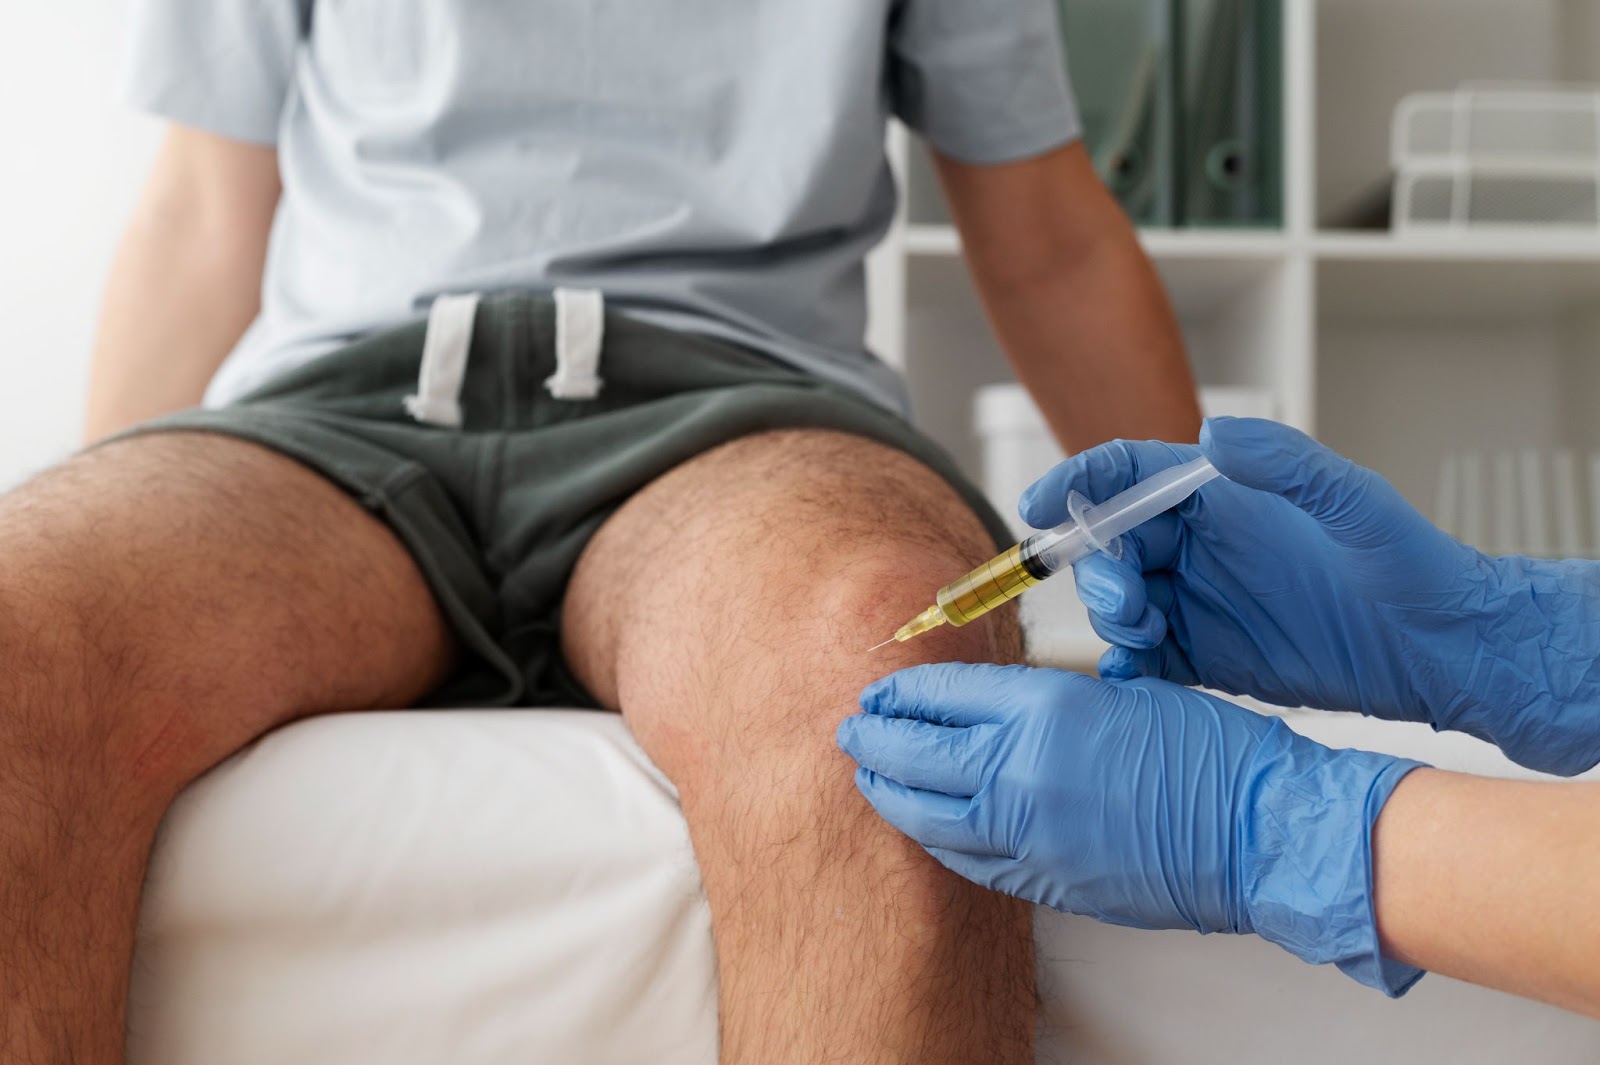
[(1445, 335), (71, 166), (1379, 221)]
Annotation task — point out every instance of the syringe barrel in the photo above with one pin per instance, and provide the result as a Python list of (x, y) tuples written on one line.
[(1157, 493), (1045, 554), (995, 583)]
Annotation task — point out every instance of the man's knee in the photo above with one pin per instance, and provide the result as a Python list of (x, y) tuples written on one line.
[(93, 680), (844, 538), (792, 554), (78, 711)]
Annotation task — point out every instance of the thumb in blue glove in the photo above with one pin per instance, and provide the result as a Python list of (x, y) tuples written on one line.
[(1139, 803)]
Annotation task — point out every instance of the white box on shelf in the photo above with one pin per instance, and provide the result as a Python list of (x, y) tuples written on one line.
[(1017, 446)]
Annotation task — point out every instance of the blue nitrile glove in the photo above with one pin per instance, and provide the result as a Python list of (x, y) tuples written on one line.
[(1306, 580), (1140, 803)]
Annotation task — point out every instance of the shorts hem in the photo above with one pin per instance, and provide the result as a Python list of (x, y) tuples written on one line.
[(387, 499)]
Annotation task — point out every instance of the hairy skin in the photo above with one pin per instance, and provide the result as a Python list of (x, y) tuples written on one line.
[(170, 598), (756, 578), (166, 600)]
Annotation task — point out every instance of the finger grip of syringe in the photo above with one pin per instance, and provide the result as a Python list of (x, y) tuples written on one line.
[(1048, 553), (1096, 526)]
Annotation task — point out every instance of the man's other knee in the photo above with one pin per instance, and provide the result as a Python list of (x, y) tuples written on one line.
[(161, 605)]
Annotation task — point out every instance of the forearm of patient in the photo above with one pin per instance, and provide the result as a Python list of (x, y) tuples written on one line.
[(186, 280)]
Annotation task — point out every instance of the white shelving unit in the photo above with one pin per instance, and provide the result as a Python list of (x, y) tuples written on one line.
[(1391, 351), (1395, 351)]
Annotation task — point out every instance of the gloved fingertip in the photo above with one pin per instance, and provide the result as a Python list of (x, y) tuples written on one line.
[(1150, 631), (978, 868), (1038, 507), (1129, 636), (903, 690), (845, 735), (1217, 434), (878, 788), (1025, 501), (874, 694), (1118, 663), (1251, 449), (1103, 588)]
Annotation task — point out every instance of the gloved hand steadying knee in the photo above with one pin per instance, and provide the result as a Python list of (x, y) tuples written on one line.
[(1139, 802), (1305, 579)]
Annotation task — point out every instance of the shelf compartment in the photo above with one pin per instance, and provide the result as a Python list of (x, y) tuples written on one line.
[(1412, 286), (1373, 54), (1201, 268), (1498, 247), (936, 240)]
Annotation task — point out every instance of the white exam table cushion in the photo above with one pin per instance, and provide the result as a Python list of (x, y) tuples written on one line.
[(517, 887), (407, 888)]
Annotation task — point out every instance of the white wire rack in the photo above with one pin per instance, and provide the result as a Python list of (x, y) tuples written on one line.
[(1498, 156), (1543, 503)]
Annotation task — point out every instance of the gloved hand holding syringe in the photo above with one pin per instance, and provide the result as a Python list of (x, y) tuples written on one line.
[(1093, 527)]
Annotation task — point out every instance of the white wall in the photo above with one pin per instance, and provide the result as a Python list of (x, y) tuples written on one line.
[(71, 164)]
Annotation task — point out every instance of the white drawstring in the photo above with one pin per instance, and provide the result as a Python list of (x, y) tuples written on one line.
[(580, 333), (580, 336), (444, 361)]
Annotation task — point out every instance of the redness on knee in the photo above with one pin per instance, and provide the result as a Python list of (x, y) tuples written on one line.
[(788, 565), (871, 598)]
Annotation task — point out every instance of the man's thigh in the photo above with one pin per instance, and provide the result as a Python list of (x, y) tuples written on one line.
[(765, 570), (177, 594)]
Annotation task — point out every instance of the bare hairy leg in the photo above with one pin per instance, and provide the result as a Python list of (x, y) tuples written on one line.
[(163, 601), (727, 610)]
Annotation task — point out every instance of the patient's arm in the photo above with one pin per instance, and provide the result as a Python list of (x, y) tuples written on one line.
[(1073, 298), (186, 280)]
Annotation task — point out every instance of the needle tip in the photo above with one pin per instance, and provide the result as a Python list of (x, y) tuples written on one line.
[(884, 644)]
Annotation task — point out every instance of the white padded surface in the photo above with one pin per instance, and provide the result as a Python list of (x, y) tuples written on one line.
[(460, 887), (517, 887)]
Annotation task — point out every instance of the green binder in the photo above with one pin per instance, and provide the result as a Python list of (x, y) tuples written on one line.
[(1125, 67), (1182, 106), (1233, 112)]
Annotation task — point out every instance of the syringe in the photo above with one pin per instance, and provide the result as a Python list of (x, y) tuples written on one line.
[(1093, 527)]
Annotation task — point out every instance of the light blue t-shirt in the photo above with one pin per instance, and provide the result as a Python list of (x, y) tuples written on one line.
[(716, 166)]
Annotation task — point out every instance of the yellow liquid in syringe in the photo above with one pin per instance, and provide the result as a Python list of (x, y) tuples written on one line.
[(993, 584), (1093, 527)]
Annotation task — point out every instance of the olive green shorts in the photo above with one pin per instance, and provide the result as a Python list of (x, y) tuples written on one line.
[(497, 511)]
